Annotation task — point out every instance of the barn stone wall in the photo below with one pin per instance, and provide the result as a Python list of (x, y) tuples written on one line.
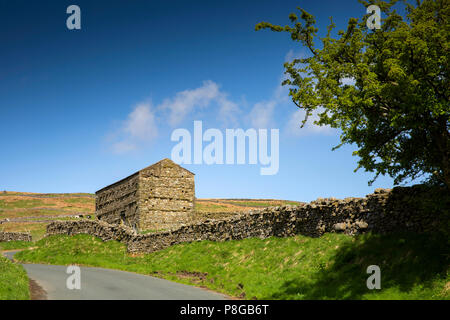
[(118, 203), (159, 197)]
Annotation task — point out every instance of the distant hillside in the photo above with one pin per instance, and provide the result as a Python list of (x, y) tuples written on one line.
[(31, 212)]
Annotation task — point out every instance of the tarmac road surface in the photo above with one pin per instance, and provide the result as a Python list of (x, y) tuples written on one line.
[(106, 284)]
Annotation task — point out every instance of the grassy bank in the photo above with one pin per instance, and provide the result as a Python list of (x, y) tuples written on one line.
[(331, 267), (13, 245), (13, 281)]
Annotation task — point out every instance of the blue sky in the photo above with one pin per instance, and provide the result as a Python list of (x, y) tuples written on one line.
[(83, 108)]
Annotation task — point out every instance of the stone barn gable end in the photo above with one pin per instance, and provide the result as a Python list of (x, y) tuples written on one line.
[(158, 197)]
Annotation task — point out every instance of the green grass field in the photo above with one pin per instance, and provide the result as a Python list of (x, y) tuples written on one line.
[(331, 267), (13, 281), (23, 204)]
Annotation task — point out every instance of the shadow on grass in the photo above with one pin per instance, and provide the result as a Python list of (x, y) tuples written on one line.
[(407, 261)]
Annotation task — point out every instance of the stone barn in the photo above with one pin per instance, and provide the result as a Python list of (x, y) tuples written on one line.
[(158, 197)]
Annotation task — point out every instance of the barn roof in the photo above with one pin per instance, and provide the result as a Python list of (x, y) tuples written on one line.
[(166, 160), (149, 167)]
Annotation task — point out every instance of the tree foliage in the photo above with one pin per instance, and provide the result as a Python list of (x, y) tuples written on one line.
[(387, 90)]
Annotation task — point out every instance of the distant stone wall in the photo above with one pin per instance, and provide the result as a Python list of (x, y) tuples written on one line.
[(14, 236), (415, 209)]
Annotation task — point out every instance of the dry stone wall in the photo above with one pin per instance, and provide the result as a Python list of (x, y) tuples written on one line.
[(14, 236), (415, 209)]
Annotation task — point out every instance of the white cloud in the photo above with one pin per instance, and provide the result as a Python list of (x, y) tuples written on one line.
[(291, 55), (189, 101), (141, 123), (348, 81), (263, 112), (185, 101), (261, 115), (139, 128), (228, 110)]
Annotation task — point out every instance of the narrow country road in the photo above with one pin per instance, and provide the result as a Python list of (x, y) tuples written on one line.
[(105, 284)]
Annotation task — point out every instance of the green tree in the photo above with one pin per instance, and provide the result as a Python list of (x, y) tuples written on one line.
[(386, 89)]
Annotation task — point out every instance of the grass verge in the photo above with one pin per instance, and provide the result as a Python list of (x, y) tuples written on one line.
[(331, 267), (13, 281), (13, 245)]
